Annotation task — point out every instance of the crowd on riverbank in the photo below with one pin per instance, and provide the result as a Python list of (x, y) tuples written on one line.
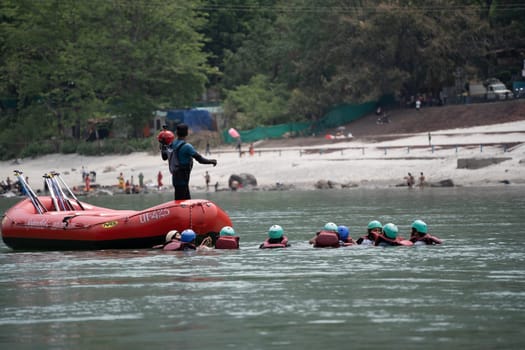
[(340, 164)]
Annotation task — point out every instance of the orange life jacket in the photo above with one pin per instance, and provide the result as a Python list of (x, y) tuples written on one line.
[(283, 244), (227, 242), (326, 239)]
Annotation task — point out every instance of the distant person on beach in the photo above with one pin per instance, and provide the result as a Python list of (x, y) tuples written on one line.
[(207, 150), (239, 147), (121, 182), (180, 155), (422, 180), (410, 180), (159, 180), (141, 180), (87, 187), (207, 180)]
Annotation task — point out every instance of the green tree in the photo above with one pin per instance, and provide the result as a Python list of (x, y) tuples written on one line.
[(64, 61), (258, 103), (236, 34), (150, 56)]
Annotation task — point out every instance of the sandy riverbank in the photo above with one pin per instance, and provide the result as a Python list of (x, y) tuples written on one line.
[(352, 162)]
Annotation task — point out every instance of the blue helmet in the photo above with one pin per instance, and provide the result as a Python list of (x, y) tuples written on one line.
[(344, 232), (187, 236)]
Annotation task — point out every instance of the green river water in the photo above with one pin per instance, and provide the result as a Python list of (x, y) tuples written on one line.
[(468, 293)]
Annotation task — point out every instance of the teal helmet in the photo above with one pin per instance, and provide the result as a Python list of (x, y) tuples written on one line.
[(187, 236), (275, 232), (330, 227), (374, 224), (227, 231), (420, 226), (343, 232), (390, 230)]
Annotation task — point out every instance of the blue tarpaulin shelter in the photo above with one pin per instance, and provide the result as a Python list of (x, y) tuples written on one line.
[(196, 119)]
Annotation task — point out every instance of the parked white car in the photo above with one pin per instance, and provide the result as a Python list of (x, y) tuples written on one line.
[(498, 91)]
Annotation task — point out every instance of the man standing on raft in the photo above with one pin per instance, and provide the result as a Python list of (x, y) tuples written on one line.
[(179, 154)]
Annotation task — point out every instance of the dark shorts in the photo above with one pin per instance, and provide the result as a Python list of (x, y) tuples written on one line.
[(181, 181)]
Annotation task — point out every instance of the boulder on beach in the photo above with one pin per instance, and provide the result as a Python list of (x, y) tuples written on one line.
[(443, 183), (325, 184), (242, 180)]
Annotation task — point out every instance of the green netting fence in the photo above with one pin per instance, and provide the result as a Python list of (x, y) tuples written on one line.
[(340, 115)]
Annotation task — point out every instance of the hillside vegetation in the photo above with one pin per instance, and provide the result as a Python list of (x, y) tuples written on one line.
[(406, 121)]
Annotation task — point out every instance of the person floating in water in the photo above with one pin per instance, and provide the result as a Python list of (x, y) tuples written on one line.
[(184, 241), (328, 237), (180, 155), (227, 239), (374, 228), (389, 237), (276, 238), (419, 234), (344, 236)]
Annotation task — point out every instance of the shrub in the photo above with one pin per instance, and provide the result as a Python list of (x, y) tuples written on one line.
[(36, 149), (68, 147)]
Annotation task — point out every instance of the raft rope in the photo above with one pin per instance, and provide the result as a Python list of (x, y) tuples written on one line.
[(30, 193), (191, 221), (127, 218), (172, 206)]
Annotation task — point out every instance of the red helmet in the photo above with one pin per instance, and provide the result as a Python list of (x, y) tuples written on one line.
[(166, 137)]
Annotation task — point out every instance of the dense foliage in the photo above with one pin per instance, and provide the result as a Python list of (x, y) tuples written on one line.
[(64, 63)]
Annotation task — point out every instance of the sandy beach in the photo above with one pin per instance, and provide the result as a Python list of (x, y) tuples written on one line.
[(349, 162)]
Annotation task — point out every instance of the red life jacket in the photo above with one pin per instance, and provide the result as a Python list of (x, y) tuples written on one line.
[(326, 239), (390, 241), (178, 245), (227, 242), (283, 244), (428, 239)]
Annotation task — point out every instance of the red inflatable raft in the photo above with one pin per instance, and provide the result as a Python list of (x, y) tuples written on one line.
[(91, 227)]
